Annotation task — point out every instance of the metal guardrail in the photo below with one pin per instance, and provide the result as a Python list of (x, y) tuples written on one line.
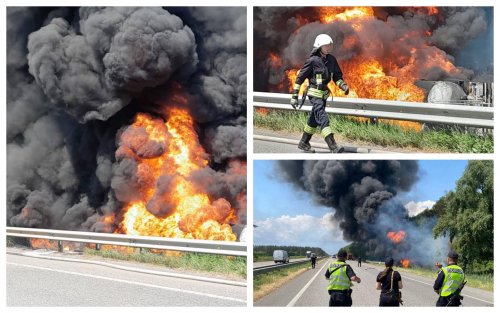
[(462, 115), (270, 268), (186, 245)]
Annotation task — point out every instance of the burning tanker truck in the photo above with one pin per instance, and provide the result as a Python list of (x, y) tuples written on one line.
[(418, 54), (127, 120)]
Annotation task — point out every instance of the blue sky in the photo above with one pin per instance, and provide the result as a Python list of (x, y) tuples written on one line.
[(285, 215)]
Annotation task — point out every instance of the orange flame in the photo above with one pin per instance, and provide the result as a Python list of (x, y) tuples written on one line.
[(190, 212), (405, 263), (396, 237), (332, 14)]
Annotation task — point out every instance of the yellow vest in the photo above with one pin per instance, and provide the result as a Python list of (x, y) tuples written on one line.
[(338, 279), (453, 279)]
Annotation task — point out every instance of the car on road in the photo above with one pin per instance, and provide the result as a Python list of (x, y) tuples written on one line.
[(280, 256)]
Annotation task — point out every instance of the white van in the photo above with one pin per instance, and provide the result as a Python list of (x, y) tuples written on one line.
[(280, 256)]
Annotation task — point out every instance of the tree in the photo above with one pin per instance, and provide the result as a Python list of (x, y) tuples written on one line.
[(466, 215)]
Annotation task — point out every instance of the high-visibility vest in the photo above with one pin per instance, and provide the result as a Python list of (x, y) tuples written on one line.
[(338, 279), (453, 278)]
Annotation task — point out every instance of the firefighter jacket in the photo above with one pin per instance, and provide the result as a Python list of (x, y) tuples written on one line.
[(319, 71), (453, 279)]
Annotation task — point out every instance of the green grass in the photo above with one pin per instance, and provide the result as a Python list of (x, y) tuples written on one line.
[(194, 261), (481, 281), (263, 258), (272, 277), (382, 134)]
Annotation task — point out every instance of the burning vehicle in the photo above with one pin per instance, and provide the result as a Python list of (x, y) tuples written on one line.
[(127, 120), (417, 54)]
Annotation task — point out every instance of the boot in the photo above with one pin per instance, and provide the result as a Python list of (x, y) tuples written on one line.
[(304, 142), (334, 148)]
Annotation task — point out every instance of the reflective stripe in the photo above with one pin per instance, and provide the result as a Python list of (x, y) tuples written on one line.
[(453, 277), (314, 92), (296, 87), (326, 131), (310, 130), (338, 279), (319, 79), (339, 82)]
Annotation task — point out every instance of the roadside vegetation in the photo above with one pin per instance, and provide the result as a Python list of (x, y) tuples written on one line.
[(226, 265), (265, 283), (381, 133)]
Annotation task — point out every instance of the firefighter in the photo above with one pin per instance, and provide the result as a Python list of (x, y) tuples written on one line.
[(450, 282), (389, 282), (340, 275), (319, 68)]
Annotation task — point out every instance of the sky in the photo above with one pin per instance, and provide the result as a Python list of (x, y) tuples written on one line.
[(285, 216)]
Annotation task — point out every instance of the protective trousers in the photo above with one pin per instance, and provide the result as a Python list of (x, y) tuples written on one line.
[(340, 298), (318, 117)]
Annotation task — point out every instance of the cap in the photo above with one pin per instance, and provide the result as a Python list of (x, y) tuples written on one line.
[(389, 262), (453, 255), (342, 253)]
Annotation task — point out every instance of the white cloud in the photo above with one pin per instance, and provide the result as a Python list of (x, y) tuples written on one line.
[(299, 230), (415, 208)]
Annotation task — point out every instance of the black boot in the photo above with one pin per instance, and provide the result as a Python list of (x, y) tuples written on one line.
[(304, 142), (334, 148)]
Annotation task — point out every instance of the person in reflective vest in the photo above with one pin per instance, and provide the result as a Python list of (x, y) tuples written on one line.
[(340, 276), (320, 68), (450, 282)]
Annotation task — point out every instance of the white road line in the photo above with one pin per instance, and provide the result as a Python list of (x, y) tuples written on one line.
[(463, 294), (301, 292), (130, 282)]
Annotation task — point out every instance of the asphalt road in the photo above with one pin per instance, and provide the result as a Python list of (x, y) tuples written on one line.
[(266, 263), (39, 282), (310, 289)]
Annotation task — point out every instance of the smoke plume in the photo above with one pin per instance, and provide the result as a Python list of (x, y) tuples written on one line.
[(78, 77)]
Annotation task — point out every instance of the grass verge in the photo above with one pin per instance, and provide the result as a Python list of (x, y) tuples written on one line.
[(263, 258), (382, 134), (264, 283), (481, 281), (226, 265)]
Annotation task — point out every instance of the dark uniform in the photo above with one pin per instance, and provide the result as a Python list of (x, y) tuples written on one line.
[(340, 273), (313, 261), (319, 70), (386, 296)]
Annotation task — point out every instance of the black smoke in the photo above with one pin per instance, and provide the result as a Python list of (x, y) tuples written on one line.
[(78, 76), (362, 194), (289, 33)]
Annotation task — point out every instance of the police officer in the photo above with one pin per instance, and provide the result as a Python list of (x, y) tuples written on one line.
[(449, 282), (320, 68), (389, 282), (313, 260), (340, 275), (359, 261)]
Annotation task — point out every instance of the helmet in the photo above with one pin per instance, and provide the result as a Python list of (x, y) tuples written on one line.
[(321, 40)]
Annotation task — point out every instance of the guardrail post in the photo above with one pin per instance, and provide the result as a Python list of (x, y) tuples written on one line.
[(59, 246), (98, 246)]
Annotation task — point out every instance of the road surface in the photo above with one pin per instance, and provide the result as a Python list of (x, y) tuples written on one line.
[(310, 289), (40, 282)]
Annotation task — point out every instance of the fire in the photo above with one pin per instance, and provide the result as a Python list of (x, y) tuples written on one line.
[(405, 263), (396, 237), (179, 209), (262, 111), (43, 244), (389, 77)]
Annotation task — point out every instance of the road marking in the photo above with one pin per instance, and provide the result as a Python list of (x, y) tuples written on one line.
[(131, 282), (301, 292), (463, 294)]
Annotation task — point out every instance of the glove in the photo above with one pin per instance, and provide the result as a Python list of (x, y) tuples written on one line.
[(295, 101), (345, 88)]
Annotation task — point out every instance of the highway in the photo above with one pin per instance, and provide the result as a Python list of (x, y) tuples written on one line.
[(33, 281), (267, 263), (310, 289)]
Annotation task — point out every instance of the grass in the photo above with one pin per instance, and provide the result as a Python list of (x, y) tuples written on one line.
[(264, 283), (481, 281), (382, 134), (263, 258), (232, 265)]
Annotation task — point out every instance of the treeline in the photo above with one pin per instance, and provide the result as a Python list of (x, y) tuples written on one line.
[(466, 216), (292, 250)]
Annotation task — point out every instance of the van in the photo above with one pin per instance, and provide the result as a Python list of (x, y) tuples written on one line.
[(280, 256), (308, 254)]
